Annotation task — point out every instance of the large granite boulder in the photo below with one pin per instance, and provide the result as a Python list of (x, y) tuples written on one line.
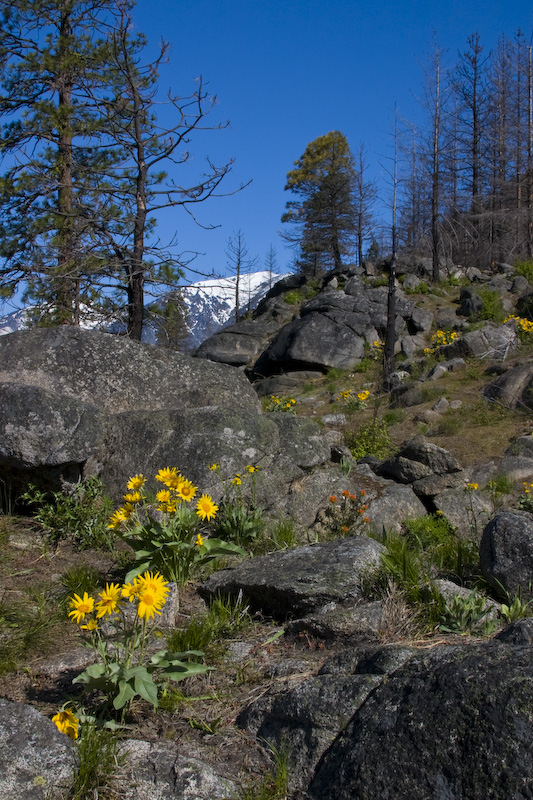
[(116, 374), (452, 724), (36, 761), (77, 403), (514, 388)]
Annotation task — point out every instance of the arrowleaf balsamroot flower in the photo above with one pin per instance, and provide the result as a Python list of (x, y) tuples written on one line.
[(154, 582), (80, 607), (186, 490), (166, 474), (67, 723), (136, 483), (92, 625), (119, 516), (109, 600), (205, 508), (152, 595), (133, 497)]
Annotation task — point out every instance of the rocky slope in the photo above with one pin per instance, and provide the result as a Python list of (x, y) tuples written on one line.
[(366, 705)]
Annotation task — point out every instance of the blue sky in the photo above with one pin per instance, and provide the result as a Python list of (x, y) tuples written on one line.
[(287, 71)]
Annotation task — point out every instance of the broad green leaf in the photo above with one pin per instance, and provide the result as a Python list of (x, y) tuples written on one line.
[(125, 694)]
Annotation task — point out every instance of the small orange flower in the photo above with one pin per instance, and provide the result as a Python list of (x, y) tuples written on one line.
[(333, 498)]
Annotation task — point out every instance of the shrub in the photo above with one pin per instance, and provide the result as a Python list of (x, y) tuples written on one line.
[(178, 542), (80, 514), (525, 268), (370, 440), (463, 614), (121, 671), (345, 515), (281, 404), (492, 305)]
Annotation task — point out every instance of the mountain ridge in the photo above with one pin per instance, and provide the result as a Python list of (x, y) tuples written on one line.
[(210, 306)]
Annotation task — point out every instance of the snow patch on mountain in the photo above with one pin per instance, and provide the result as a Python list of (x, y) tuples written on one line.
[(211, 303)]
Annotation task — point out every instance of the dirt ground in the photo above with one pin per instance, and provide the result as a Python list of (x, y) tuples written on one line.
[(201, 717)]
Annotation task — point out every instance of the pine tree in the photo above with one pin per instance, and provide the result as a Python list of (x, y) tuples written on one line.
[(52, 56), (323, 182)]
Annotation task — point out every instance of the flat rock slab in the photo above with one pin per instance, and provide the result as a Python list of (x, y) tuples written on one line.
[(296, 582)]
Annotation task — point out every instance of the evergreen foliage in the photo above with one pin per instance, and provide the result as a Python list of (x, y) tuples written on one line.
[(323, 183)]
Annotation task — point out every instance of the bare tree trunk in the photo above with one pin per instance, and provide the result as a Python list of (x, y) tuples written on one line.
[(435, 179), (390, 334), (529, 237)]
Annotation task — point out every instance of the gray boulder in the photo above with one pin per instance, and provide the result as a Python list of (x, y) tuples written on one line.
[(395, 505), (313, 341), (452, 724), (506, 553), (77, 403), (239, 344), (155, 771), (308, 718), (425, 457), (296, 582), (43, 433), (467, 511), (117, 374), (36, 760), (491, 340), (514, 388)]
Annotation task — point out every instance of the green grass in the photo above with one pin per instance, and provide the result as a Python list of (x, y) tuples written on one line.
[(97, 761), (27, 627), (224, 618), (428, 550), (273, 784)]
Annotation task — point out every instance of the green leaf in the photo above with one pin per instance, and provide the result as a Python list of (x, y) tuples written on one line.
[(144, 685), (180, 670), (125, 694), (136, 571)]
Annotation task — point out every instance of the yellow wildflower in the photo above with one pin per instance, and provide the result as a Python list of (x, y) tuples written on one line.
[(92, 625), (199, 540), (67, 723), (166, 475), (80, 607), (205, 508), (154, 582), (132, 497), (186, 490), (120, 516), (237, 480), (136, 483), (109, 600)]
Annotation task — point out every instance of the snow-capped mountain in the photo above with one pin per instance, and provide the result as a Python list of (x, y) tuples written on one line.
[(210, 306), (211, 303)]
